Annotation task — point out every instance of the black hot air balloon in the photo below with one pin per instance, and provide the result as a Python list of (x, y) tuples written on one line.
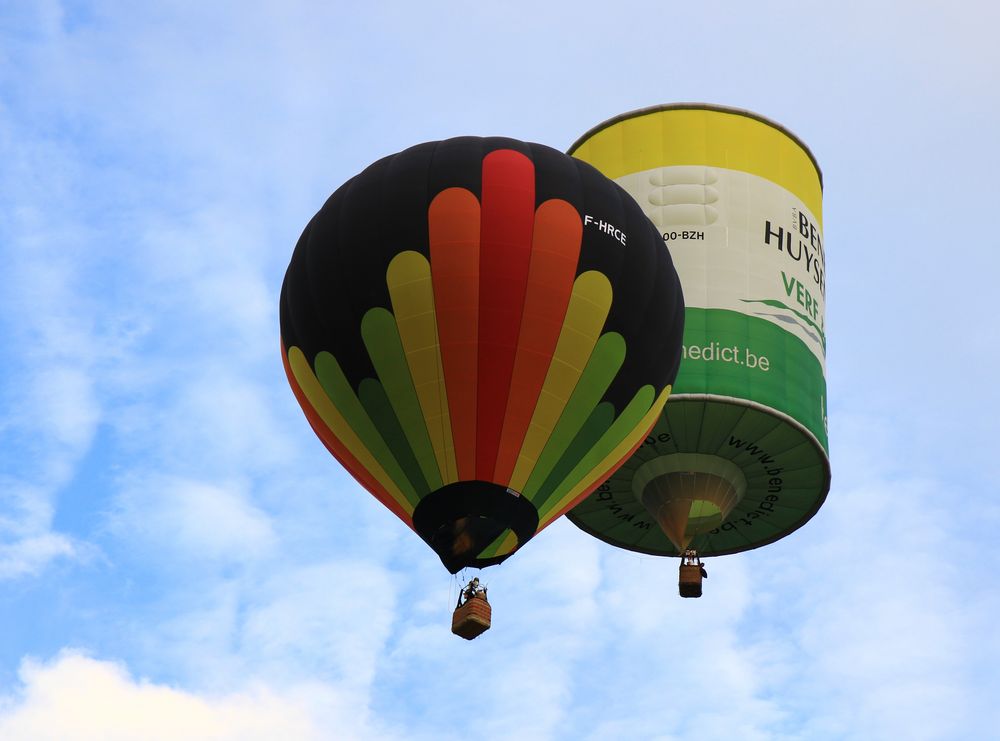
[(480, 330)]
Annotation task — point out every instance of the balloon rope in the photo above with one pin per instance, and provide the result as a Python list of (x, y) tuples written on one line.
[(456, 581)]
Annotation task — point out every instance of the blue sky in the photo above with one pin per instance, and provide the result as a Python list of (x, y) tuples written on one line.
[(179, 557)]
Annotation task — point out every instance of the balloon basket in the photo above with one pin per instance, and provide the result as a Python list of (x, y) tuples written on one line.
[(472, 618), (689, 583)]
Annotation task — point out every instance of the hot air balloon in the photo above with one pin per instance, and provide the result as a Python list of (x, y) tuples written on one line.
[(739, 457), (480, 330)]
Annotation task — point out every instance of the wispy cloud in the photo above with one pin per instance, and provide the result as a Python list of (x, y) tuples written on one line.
[(192, 519), (49, 388), (873, 608), (29, 554)]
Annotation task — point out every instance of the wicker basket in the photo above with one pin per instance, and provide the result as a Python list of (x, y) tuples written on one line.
[(689, 583), (472, 618)]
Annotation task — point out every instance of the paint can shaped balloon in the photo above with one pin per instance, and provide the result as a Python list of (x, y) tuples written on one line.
[(739, 458)]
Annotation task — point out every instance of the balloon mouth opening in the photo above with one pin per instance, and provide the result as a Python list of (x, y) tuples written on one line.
[(689, 494), (474, 523)]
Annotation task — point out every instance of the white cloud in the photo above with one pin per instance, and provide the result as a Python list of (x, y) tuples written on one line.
[(210, 420), (878, 622), (865, 623), (316, 633), (51, 408), (328, 619), (30, 554), (192, 519), (77, 698), (672, 667)]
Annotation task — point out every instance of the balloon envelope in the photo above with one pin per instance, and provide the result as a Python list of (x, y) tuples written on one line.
[(480, 331), (739, 457)]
